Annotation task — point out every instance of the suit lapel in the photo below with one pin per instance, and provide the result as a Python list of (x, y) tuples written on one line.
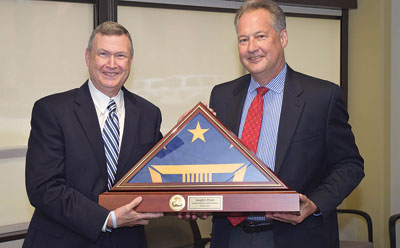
[(132, 115), (86, 114), (292, 106), (238, 98)]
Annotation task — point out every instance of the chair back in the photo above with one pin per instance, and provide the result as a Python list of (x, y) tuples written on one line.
[(368, 221), (392, 229)]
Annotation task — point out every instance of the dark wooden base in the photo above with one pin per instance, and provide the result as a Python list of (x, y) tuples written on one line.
[(232, 201)]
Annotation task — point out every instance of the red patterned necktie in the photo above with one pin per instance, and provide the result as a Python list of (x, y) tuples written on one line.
[(251, 133)]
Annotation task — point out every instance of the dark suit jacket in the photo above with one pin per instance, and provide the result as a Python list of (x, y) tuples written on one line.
[(66, 168), (316, 154)]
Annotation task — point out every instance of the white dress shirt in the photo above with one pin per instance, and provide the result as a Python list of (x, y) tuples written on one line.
[(101, 102)]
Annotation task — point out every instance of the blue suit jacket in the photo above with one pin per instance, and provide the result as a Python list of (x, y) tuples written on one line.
[(316, 154), (66, 168)]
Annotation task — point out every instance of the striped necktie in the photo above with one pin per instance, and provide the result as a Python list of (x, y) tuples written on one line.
[(111, 142)]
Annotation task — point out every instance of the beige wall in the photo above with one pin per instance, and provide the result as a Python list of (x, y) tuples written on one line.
[(395, 112), (42, 48), (314, 47), (179, 56), (369, 106)]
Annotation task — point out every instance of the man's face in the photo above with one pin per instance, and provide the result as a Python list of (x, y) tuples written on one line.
[(109, 62), (261, 47)]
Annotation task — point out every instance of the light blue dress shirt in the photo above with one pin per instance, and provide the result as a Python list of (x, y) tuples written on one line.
[(270, 122), (271, 115)]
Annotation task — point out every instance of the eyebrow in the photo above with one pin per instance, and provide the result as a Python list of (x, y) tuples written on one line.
[(105, 50)]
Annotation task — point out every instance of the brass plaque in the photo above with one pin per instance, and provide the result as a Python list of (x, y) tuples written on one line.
[(205, 202)]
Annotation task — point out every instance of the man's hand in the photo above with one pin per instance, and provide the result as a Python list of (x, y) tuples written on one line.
[(127, 216), (307, 207), (193, 216)]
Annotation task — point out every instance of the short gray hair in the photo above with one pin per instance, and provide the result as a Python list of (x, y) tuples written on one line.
[(277, 14), (109, 28)]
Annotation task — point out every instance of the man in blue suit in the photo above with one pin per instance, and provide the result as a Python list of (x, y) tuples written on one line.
[(66, 166), (304, 137)]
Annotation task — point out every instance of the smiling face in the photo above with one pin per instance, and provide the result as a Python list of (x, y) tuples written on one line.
[(261, 47), (109, 62)]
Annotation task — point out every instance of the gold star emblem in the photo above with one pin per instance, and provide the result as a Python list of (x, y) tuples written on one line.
[(198, 133)]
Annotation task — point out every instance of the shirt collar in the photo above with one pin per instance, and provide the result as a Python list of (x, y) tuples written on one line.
[(276, 84), (101, 101)]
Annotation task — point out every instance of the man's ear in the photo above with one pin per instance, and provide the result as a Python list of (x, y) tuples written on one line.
[(283, 37), (87, 54)]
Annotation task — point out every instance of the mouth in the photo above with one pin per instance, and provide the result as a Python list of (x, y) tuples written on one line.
[(110, 74), (255, 58)]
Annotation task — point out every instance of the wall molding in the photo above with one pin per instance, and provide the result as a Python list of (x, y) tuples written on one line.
[(13, 152), (13, 232), (235, 4)]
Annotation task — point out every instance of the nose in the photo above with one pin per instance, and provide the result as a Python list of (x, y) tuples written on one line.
[(111, 61), (252, 45)]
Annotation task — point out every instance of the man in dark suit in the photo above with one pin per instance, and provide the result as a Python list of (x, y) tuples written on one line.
[(304, 137), (68, 161)]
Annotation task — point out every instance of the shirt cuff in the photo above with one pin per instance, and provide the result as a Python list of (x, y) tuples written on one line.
[(105, 228), (318, 213)]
